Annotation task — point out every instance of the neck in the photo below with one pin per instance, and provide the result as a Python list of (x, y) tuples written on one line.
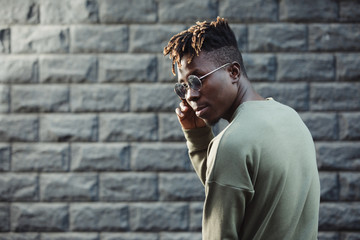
[(245, 93)]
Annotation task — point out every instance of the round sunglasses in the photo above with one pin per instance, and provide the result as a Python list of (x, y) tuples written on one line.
[(193, 82)]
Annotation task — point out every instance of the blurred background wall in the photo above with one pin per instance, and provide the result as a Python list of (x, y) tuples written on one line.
[(90, 148)]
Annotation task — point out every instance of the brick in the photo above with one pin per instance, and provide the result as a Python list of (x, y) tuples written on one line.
[(169, 216), (169, 128), (128, 127), (349, 126), (338, 155), (277, 37), (70, 236), (347, 67), (349, 11), (180, 187), (330, 186), (294, 95), (241, 35), (318, 11), (19, 11), (18, 187), (22, 128), (40, 98), (334, 96), (4, 98), (260, 67), (339, 216), (323, 126), (138, 11), (145, 98), (68, 187), (151, 38), (69, 68), (180, 236), (196, 210), (349, 186), (39, 217), (164, 70), (18, 69), (160, 157), (4, 218), (129, 236), (100, 157), (127, 68), (39, 39), (96, 38), (334, 37), (4, 39), (350, 236), (100, 98), (42, 157), (19, 236), (99, 217), (4, 157), (128, 187), (248, 11), (69, 128), (328, 236), (306, 67), (186, 11), (69, 11)]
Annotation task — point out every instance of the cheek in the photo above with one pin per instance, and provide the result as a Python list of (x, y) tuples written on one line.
[(219, 93), (225, 93), (221, 102)]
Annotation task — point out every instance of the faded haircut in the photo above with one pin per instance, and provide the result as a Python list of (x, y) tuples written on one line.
[(215, 38)]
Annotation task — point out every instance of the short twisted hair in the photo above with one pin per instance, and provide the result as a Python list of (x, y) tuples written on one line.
[(212, 37)]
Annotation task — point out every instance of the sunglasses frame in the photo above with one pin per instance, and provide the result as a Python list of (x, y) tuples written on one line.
[(181, 88)]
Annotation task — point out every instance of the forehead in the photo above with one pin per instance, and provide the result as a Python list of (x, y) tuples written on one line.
[(201, 63)]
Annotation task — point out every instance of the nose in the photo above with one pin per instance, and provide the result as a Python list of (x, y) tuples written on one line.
[(192, 95)]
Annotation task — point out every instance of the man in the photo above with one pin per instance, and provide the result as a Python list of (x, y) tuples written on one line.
[(260, 173)]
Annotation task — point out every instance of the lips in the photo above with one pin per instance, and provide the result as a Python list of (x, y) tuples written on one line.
[(200, 110)]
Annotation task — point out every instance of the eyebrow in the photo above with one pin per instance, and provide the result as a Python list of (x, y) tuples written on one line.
[(195, 72)]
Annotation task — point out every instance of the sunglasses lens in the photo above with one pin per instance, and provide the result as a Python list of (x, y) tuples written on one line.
[(194, 82), (180, 90)]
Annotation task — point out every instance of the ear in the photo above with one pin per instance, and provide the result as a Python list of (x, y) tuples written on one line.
[(235, 72)]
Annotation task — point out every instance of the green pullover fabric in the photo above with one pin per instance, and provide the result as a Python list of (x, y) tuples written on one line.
[(260, 175)]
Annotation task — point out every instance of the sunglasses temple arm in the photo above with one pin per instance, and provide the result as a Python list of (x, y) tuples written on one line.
[(213, 71)]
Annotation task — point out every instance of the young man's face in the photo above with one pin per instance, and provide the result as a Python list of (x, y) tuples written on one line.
[(218, 92)]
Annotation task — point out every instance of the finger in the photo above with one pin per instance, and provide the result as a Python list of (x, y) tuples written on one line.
[(179, 113), (184, 107)]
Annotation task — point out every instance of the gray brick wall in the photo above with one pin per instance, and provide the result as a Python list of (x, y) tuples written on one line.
[(89, 146)]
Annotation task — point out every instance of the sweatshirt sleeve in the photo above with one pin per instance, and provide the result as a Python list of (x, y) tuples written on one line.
[(228, 189), (224, 211), (197, 141)]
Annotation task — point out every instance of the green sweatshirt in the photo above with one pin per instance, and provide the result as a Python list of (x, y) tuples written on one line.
[(260, 175)]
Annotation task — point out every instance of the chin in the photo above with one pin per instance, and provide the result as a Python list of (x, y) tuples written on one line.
[(211, 122)]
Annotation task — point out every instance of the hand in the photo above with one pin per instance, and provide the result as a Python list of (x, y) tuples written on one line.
[(187, 117)]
